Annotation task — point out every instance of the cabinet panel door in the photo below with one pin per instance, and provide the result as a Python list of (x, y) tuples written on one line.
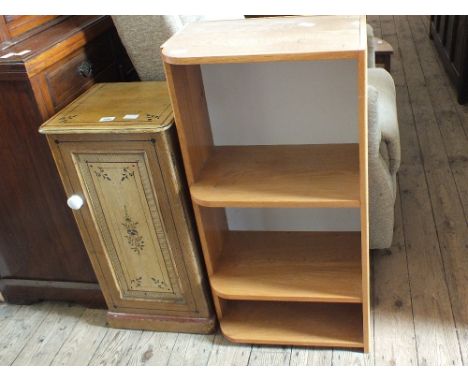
[(127, 225)]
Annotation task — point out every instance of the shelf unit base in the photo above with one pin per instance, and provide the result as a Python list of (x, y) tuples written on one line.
[(293, 323)]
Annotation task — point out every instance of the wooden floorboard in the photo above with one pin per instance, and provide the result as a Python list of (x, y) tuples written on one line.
[(395, 338), (419, 286), (394, 333), (16, 333), (116, 348), (84, 340), (443, 150), (225, 353), (311, 357), (49, 337), (270, 356), (153, 349), (191, 350), (436, 333)]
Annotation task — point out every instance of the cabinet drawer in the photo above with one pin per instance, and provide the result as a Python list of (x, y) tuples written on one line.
[(72, 76)]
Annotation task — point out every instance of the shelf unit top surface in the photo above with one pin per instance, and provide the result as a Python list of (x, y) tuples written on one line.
[(280, 176), (290, 266), (267, 39)]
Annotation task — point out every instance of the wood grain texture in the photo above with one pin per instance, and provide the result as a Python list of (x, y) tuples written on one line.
[(431, 301), (7, 311), (270, 356), (84, 340), (116, 348), (69, 77), (20, 24), (303, 324), (162, 277), (148, 101), (188, 101), (185, 85), (352, 358), (225, 353), (449, 36), (289, 266), (398, 299), (395, 338), (49, 46), (279, 176), (4, 32), (266, 176), (152, 349), (16, 333), (363, 192), (282, 39), (164, 322), (438, 146), (50, 336), (39, 241), (191, 350), (50, 248), (310, 357), (135, 222)]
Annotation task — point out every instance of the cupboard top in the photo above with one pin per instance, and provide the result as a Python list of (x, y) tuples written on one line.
[(130, 107), (267, 39)]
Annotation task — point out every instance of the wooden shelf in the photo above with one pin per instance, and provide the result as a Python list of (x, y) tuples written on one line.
[(267, 39), (277, 288), (293, 323), (290, 266), (280, 176)]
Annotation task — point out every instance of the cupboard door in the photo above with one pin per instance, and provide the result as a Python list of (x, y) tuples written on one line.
[(127, 225)]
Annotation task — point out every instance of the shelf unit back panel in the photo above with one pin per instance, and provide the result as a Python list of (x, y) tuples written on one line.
[(263, 103), (293, 219)]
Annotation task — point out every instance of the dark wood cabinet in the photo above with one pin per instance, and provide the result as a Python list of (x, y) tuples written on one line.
[(450, 36), (42, 69)]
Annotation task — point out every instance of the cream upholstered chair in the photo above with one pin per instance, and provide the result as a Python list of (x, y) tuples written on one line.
[(142, 36), (384, 151), (384, 156)]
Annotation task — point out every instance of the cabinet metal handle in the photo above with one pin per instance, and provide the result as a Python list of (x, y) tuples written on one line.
[(85, 69), (75, 202)]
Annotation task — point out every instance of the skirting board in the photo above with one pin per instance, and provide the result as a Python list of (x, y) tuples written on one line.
[(161, 323)]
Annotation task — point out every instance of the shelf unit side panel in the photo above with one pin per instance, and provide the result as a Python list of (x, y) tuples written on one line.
[(191, 115), (364, 186), (193, 129)]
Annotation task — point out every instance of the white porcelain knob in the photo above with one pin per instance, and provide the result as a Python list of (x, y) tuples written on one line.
[(75, 202)]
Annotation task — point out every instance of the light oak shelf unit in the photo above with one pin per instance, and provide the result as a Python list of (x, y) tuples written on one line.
[(290, 288)]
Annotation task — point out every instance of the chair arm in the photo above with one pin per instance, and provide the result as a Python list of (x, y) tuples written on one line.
[(387, 119), (370, 47)]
